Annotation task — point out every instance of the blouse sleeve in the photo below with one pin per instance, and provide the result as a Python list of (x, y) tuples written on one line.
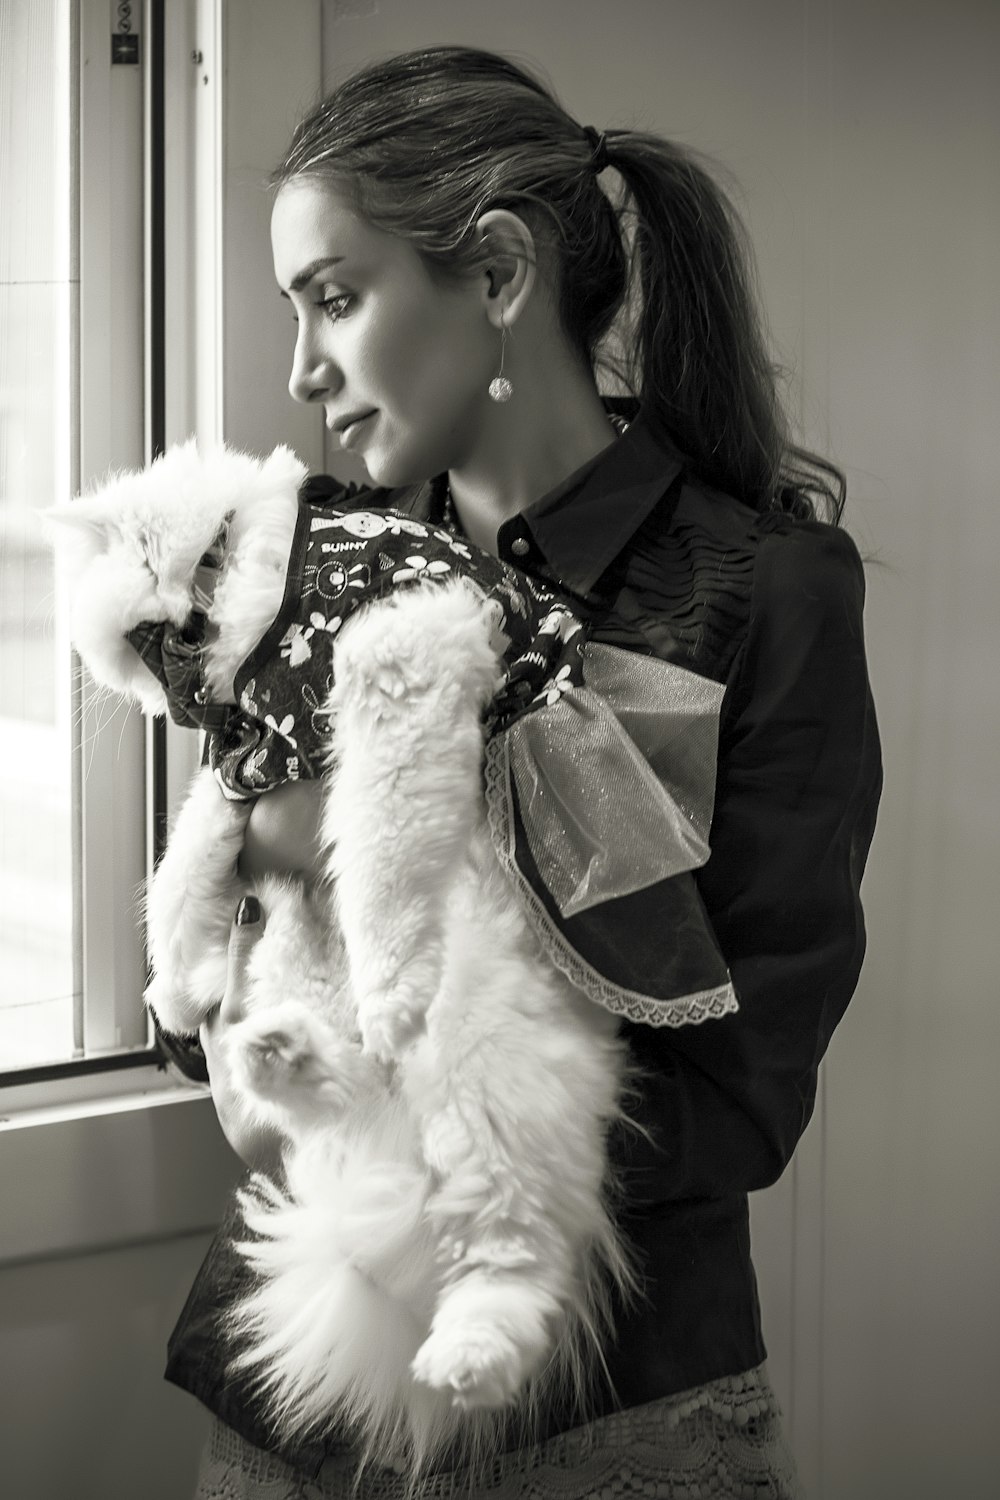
[(724, 1103)]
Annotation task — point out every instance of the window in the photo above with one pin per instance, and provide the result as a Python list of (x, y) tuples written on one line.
[(39, 978), (72, 845)]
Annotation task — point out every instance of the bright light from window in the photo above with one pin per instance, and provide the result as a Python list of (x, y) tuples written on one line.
[(38, 284)]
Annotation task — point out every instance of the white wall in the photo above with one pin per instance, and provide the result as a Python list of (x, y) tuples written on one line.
[(910, 355), (86, 1414), (866, 139), (273, 73)]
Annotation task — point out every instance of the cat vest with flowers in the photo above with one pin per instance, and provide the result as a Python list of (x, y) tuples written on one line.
[(340, 561), (599, 762)]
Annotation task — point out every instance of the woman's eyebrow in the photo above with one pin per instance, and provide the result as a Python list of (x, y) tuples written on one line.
[(312, 269)]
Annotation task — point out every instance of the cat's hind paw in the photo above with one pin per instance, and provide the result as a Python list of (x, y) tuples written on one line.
[(479, 1365), (491, 1333), (289, 1057)]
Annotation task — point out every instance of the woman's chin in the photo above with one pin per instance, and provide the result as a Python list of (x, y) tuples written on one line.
[(387, 471)]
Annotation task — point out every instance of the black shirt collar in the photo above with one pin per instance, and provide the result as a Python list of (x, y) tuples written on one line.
[(581, 525)]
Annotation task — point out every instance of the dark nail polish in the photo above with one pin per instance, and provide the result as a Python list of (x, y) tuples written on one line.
[(248, 911)]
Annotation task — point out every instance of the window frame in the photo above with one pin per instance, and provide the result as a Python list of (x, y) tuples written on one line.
[(90, 1153), (128, 266), (115, 302)]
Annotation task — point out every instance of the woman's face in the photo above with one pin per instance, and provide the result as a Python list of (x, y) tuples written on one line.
[(400, 361)]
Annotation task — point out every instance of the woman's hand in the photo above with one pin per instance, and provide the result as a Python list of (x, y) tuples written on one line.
[(282, 835), (258, 1144)]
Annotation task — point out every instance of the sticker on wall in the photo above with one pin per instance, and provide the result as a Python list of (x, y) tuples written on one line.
[(124, 32)]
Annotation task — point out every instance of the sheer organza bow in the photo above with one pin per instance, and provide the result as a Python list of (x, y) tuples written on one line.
[(615, 778)]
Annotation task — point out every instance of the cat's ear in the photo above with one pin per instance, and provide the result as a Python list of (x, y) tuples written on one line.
[(284, 470), (76, 528), (75, 515)]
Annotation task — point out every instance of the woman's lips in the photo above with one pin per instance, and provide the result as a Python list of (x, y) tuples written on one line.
[(349, 434)]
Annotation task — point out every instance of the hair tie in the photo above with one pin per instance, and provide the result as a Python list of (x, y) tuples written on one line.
[(599, 147)]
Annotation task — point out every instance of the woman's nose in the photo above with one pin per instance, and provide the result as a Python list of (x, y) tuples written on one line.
[(314, 376)]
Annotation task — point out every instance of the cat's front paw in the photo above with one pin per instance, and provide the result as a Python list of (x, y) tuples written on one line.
[(178, 1011), (389, 1025)]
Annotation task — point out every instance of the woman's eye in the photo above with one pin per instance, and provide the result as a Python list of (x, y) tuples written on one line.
[(335, 304), (332, 304)]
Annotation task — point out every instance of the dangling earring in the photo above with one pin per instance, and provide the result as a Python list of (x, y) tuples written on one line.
[(501, 388)]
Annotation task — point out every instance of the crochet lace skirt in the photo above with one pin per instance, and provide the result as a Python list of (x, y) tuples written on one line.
[(724, 1439)]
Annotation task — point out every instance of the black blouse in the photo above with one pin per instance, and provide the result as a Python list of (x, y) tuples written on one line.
[(771, 608)]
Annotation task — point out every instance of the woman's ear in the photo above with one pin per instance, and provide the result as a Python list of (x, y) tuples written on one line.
[(511, 270)]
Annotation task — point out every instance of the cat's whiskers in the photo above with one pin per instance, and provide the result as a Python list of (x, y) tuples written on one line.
[(99, 709), (46, 610)]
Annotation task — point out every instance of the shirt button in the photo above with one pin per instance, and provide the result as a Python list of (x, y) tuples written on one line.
[(520, 546)]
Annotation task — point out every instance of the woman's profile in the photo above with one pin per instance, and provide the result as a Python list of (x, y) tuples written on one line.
[(571, 372)]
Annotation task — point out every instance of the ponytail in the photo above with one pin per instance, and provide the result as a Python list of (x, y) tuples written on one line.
[(696, 351)]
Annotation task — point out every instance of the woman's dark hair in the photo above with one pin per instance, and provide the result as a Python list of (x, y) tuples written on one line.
[(424, 143)]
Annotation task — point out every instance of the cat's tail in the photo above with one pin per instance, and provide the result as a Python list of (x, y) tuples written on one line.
[(346, 1273)]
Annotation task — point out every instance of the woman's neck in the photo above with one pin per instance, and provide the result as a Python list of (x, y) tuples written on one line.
[(554, 423)]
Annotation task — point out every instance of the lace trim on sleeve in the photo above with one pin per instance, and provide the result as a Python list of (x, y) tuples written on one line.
[(685, 1010)]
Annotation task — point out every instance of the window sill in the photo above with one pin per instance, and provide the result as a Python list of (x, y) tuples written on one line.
[(142, 1159), (72, 1095)]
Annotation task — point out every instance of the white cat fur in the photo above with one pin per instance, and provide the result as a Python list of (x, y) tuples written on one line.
[(441, 1246), (131, 549)]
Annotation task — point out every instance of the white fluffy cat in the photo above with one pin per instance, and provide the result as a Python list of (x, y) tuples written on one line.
[(441, 1244)]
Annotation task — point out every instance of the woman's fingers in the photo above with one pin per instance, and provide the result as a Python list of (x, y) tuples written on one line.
[(258, 1144), (246, 933)]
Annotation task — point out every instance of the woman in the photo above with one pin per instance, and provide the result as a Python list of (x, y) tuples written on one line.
[(441, 227)]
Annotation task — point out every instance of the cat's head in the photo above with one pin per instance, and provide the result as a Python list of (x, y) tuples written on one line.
[(128, 551)]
